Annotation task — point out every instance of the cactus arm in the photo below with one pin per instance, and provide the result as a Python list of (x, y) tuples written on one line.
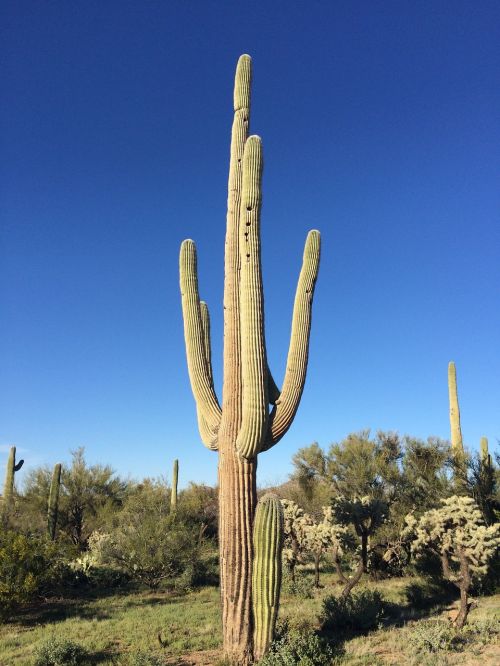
[(456, 432), (201, 383), (53, 504), (18, 466), (268, 535), (253, 348), (286, 406), (208, 436)]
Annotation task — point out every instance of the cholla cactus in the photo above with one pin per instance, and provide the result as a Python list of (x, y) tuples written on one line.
[(365, 514), (296, 522), (457, 534)]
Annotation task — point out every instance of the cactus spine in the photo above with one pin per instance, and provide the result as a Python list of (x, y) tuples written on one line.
[(243, 425), (173, 494), (8, 488), (485, 455), (456, 432), (268, 534), (53, 504)]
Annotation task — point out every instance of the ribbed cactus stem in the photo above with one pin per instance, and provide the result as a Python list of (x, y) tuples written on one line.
[(456, 432), (11, 469), (242, 426), (485, 455), (268, 535), (173, 493), (53, 503)]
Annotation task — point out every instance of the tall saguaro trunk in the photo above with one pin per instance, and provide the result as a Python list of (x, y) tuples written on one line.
[(244, 426), (456, 431)]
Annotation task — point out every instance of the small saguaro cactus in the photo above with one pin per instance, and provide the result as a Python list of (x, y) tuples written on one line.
[(485, 455), (268, 534), (53, 503), (456, 432), (12, 468), (242, 426), (173, 493)]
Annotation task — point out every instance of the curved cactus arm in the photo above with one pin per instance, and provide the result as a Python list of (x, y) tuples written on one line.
[(253, 348), (208, 436), (201, 382), (268, 536), (296, 365)]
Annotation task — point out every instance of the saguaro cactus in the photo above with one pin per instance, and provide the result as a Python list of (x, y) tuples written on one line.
[(485, 455), (268, 535), (173, 494), (456, 432), (12, 468), (53, 503), (243, 426)]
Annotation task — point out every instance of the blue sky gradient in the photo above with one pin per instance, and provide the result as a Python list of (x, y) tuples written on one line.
[(380, 128)]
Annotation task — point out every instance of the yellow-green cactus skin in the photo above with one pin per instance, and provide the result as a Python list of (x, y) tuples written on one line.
[(53, 503), (173, 493), (253, 414), (456, 432), (268, 535)]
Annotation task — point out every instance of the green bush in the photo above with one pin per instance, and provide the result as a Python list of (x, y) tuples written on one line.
[(429, 593), (294, 647), (360, 611), (60, 653), (302, 586), (24, 569)]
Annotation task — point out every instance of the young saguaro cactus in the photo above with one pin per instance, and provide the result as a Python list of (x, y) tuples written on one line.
[(243, 426), (456, 432), (268, 535), (485, 455), (8, 488), (53, 503), (173, 493)]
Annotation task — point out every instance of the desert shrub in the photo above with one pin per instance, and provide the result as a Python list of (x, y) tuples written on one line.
[(141, 658), (27, 566), (435, 636), (359, 611), (55, 652), (302, 586), (294, 647), (149, 543), (429, 593)]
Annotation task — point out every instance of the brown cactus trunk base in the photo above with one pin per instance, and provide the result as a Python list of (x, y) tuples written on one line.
[(237, 501)]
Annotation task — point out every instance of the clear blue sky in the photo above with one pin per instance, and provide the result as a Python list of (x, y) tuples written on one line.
[(380, 125)]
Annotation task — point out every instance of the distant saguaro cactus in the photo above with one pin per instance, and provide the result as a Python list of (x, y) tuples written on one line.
[(243, 426), (173, 493), (268, 537), (8, 488), (485, 455), (456, 432), (53, 503)]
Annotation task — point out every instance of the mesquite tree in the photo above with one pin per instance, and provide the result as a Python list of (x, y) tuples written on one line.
[(243, 426), (457, 534)]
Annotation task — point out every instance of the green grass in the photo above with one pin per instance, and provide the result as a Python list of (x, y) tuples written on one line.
[(118, 625)]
